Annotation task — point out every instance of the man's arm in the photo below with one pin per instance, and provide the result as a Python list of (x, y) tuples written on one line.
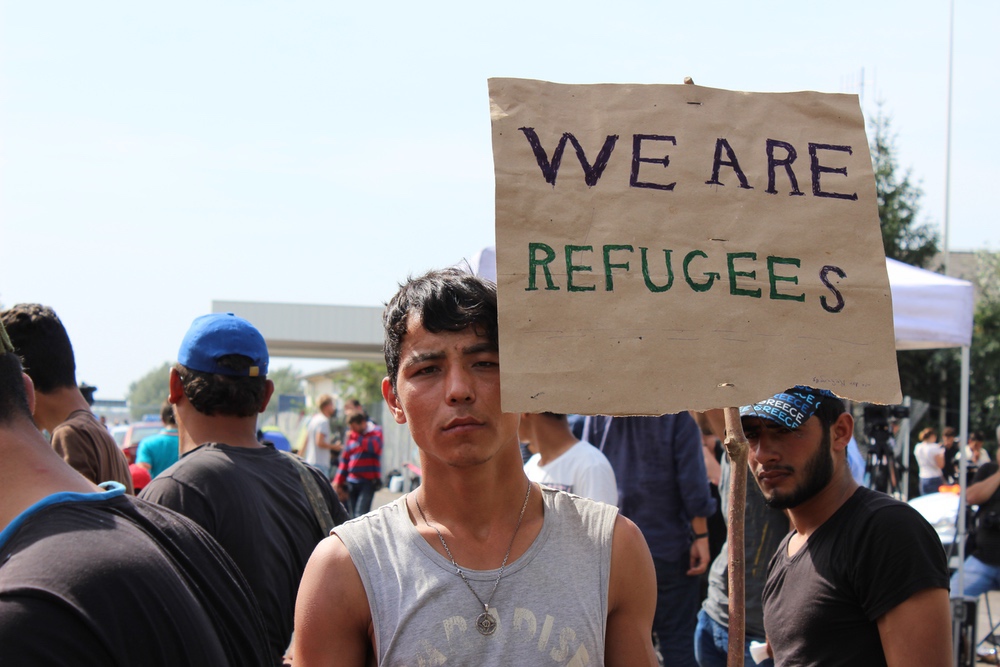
[(331, 595), (917, 631), (323, 443), (631, 600), (986, 483), (142, 456)]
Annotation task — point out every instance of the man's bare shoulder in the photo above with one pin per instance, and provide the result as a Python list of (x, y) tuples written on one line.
[(631, 598), (332, 595)]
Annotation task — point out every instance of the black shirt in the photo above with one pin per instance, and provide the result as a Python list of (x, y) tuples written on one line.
[(252, 501), (988, 521), (822, 604), (107, 579)]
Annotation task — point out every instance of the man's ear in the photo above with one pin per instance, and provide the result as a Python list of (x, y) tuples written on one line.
[(841, 431), (176, 387), (392, 400), (29, 391), (268, 392)]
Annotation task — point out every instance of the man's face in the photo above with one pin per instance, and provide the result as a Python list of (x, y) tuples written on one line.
[(358, 426), (448, 392), (790, 466)]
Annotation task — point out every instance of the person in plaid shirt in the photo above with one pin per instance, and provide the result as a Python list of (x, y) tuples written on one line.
[(360, 470)]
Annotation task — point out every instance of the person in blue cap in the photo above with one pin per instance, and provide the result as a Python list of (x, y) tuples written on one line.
[(862, 579), (267, 509)]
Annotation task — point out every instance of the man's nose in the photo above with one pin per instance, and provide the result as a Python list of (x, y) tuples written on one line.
[(459, 386), (762, 450)]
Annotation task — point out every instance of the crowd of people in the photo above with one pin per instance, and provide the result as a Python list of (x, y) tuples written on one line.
[(592, 549)]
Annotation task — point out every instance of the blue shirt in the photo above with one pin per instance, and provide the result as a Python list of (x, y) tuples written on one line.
[(662, 483), (158, 451)]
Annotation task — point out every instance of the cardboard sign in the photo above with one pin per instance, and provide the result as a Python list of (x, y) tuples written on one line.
[(672, 247)]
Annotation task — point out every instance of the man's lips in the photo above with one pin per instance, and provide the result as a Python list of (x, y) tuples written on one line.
[(773, 475), (461, 423)]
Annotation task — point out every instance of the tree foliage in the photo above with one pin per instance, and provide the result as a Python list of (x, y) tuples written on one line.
[(146, 395), (363, 381), (984, 381), (286, 380), (903, 237)]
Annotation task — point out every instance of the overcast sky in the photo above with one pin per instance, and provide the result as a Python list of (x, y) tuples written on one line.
[(157, 156)]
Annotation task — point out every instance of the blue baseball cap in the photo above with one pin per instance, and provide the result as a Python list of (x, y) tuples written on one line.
[(217, 335), (791, 408)]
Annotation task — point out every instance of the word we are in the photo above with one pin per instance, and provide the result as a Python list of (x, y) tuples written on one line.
[(780, 155)]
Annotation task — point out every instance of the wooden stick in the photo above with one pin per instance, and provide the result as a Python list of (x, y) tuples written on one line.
[(738, 448)]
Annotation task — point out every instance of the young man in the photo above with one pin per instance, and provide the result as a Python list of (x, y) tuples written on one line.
[(862, 578), (320, 445), (265, 508), (982, 565), (360, 468), (563, 461), (60, 408), (90, 576), (478, 565)]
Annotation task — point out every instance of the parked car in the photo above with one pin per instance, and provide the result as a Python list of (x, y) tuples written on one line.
[(133, 434)]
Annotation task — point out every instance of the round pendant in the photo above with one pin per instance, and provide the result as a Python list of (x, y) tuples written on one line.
[(486, 624)]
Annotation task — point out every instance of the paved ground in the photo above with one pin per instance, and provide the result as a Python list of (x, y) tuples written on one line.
[(983, 626)]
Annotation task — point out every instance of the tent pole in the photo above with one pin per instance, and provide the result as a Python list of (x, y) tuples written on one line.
[(963, 439), (904, 444)]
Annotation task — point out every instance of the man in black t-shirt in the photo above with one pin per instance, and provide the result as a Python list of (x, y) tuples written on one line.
[(90, 576), (982, 567), (253, 499), (862, 578)]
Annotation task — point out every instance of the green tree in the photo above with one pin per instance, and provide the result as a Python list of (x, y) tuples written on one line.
[(984, 381), (287, 380), (909, 241), (146, 395), (363, 380), (898, 201)]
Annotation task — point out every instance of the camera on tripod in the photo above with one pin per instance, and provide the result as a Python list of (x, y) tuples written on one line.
[(881, 467)]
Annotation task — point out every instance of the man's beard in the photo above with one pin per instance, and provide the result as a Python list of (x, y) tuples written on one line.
[(818, 472)]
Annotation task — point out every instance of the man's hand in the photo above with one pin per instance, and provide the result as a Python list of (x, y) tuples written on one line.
[(699, 557), (342, 493)]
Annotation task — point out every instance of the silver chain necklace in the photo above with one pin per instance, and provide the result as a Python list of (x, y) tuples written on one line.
[(485, 624)]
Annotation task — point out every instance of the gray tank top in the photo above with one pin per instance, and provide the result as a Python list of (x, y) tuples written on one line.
[(551, 605)]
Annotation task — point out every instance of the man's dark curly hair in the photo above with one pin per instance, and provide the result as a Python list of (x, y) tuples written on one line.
[(442, 300), (229, 395), (13, 399), (40, 339)]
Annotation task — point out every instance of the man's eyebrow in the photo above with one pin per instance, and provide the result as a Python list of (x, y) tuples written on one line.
[(479, 348), (435, 355), (425, 356)]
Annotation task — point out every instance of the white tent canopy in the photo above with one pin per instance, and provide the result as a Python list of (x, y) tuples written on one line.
[(929, 310)]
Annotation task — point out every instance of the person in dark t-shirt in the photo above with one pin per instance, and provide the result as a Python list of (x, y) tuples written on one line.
[(91, 576), (981, 572), (42, 343), (267, 509), (862, 579)]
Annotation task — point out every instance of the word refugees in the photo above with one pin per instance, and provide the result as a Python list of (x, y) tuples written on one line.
[(658, 275)]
